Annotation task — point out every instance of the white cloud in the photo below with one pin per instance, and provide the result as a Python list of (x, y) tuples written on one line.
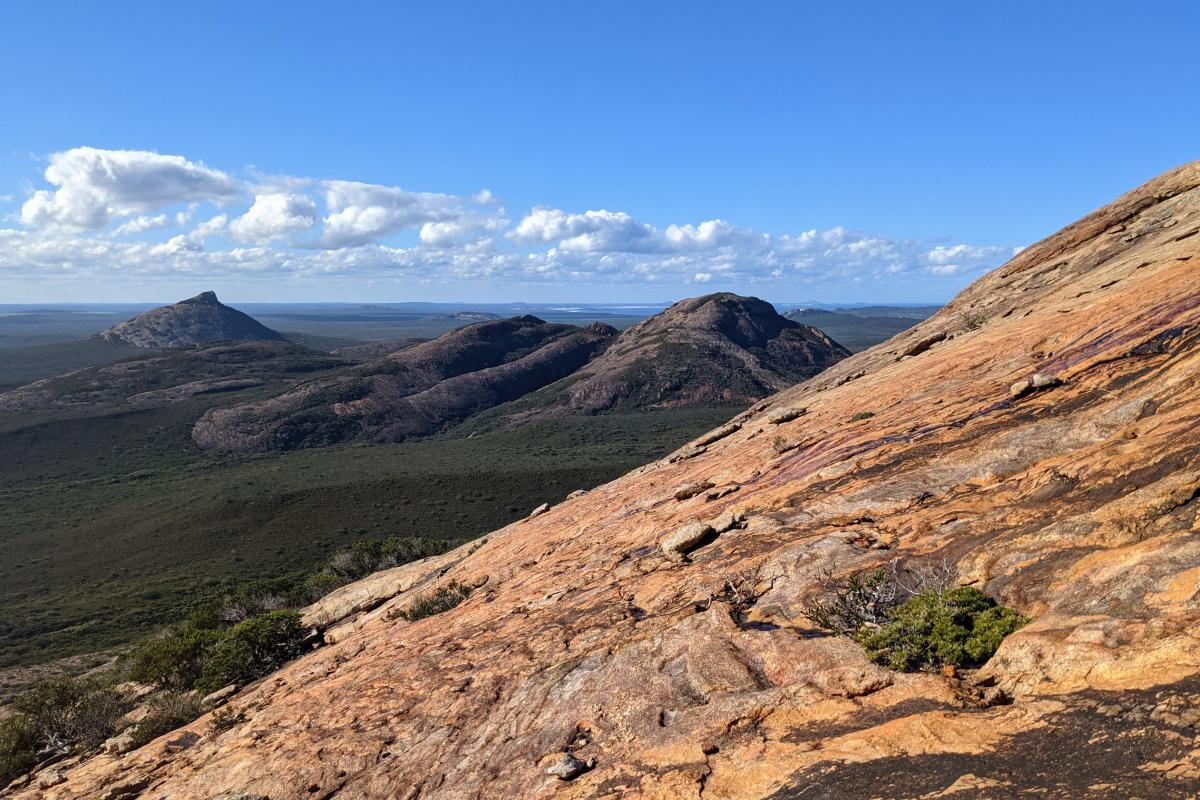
[(453, 231), (97, 186), (192, 241), (961, 258), (459, 237), (140, 225), (590, 231), (359, 213), (274, 216)]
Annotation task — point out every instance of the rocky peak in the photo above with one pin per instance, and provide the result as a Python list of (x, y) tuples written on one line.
[(746, 321), (718, 348), (197, 320), (203, 298)]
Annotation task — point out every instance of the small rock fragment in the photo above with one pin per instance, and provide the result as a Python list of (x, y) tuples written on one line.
[(718, 434), (852, 377), (727, 521), (782, 415), (689, 490), (577, 493), (537, 512), (677, 545), (921, 345), (717, 494), (691, 451), (182, 742), (120, 744), (51, 777), (220, 695), (566, 767), (1033, 383)]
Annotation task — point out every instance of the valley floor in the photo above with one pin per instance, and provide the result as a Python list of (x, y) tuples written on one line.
[(114, 524)]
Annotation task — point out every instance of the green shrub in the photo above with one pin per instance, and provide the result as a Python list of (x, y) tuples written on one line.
[(57, 716), (442, 599), (168, 711), (973, 322), (175, 660), (861, 415), (18, 747), (253, 648), (66, 712), (962, 627)]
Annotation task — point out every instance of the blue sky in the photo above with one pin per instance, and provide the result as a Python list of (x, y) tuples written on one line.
[(568, 151)]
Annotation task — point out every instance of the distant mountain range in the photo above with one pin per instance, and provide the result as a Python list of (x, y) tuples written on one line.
[(717, 349)]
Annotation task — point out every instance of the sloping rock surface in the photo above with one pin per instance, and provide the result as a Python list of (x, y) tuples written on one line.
[(199, 319), (413, 391), (1075, 503)]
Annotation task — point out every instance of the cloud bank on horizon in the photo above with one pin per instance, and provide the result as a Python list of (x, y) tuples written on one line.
[(117, 214)]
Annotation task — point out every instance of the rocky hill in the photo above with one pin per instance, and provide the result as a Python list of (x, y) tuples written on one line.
[(1034, 440), (414, 391), (199, 319), (170, 375), (719, 348)]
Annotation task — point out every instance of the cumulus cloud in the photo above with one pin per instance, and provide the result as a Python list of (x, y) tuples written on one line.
[(591, 231), (140, 224), (451, 232), (97, 186), (274, 216), (102, 202), (359, 213)]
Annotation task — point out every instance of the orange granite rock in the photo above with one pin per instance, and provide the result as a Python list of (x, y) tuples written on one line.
[(1073, 501)]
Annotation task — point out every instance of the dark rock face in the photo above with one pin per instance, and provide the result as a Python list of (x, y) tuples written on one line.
[(719, 348), (199, 319), (412, 392)]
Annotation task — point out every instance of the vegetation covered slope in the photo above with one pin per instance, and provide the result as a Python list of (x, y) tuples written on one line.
[(1046, 455), (171, 375), (859, 329), (414, 391), (716, 349), (115, 524)]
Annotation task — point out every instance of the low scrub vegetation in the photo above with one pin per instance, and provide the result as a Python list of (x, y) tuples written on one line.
[(914, 619), (973, 321), (251, 649), (245, 634), (198, 656), (364, 558), (442, 599), (960, 627), (167, 711), (56, 717)]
